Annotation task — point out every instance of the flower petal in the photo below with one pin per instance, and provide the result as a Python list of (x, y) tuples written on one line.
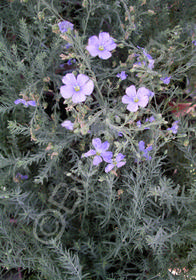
[(66, 91), (132, 107), (105, 146), (143, 101), (104, 54), (93, 50), (120, 164), (82, 79), (149, 148), (143, 91), (131, 91), (109, 167), (88, 88), (119, 157), (104, 36), (126, 99), (107, 156), (68, 125), (110, 46), (141, 145), (31, 103), (69, 79), (78, 97), (17, 101), (89, 153), (97, 160), (96, 143), (93, 40)]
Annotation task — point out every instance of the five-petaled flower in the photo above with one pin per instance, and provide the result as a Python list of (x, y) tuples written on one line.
[(135, 99), (68, 124), (122, 75), (25, 103), (65, 25), (174, 127), (101, 46), (116, 162), (144, 150), (77, 88), (100, 153), (166, 80)]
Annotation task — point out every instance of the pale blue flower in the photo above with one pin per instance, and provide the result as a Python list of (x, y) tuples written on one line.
[(101, 46), (25, 103), (166, 80), (76, 88), (144, 150), (116, 162), (22, 177), (174, 127), (100, 153), (150, 59), (71, 61), (135, 99), (139, 124), (150, 93), (68, 125), (64, 26), (122, 75), (151, 119)]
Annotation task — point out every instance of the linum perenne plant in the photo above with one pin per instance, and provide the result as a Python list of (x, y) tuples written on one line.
[(88, 139)]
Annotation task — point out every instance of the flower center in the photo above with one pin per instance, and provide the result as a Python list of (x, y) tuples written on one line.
[(101, 48), (77, 88), (136, 100)]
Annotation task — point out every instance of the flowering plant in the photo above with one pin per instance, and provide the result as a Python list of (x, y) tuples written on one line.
[(100, 153), (76, 88), (101, 46), (134, 98), (97, 172)]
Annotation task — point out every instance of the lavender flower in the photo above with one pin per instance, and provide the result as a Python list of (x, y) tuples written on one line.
[(77, 88), (166, 80), (22, 177), (139, 63), (68, 124), (25, 103), (150, 59), (151, 119), (64, 26), (100, 152), (71, 61), (139, 124), (174, 127), (150, 93), (101, 46), (67, 46), (194, 42), (144, 150), (135, 99), (116, 162), (122, 75)]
